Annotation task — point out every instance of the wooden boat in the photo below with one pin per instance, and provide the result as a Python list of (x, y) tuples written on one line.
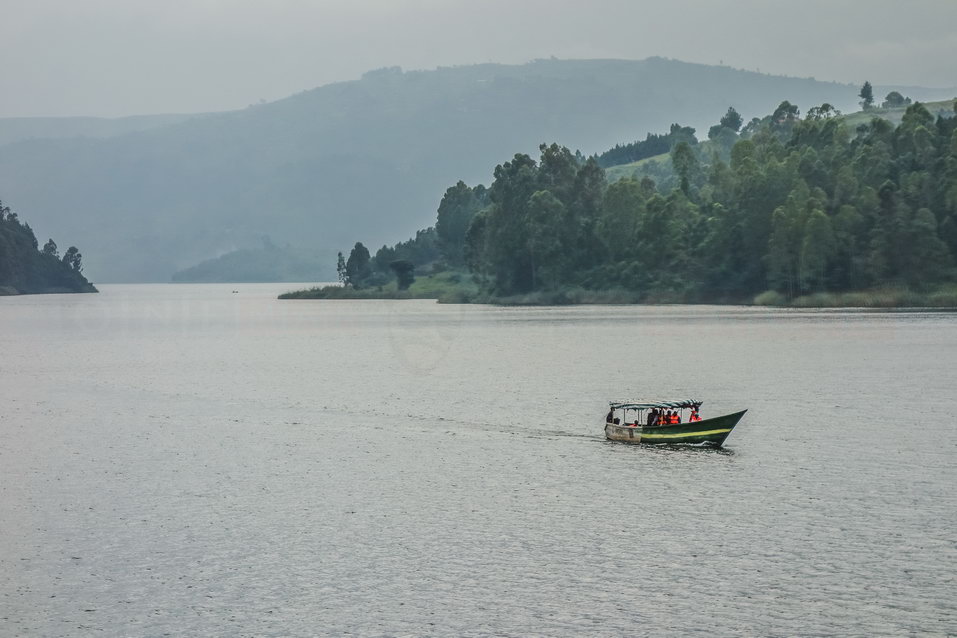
[(634, 428)]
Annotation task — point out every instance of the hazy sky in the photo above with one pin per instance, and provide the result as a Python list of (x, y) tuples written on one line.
[(124, 57)]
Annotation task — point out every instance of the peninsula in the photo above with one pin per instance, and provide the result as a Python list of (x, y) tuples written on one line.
[(819, 210), (27, 269)]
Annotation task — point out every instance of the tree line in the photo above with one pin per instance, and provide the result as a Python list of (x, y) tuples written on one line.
[(27, 268), (785, 203)]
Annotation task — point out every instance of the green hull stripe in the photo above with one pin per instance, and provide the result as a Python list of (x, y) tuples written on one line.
[(682, 435)]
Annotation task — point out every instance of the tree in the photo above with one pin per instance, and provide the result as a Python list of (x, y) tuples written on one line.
[(823, 112), (358, 268), (786, 112), (73, 259), (867, 96), (49, 248), (622, 209), (546, 222), (476, 258), (816, 247), (341, 269), (685, 164), (557, 169), (895, 100), (732, 120), (928, 256), (404, 273), (456, 210), (506, 236)]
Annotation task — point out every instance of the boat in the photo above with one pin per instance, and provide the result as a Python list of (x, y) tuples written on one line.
[(712, 431)]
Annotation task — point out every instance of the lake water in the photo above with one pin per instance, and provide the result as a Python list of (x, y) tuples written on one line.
[(185, 460)]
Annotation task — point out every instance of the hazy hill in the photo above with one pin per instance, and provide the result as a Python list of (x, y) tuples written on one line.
[(15, 129), (367, 158)]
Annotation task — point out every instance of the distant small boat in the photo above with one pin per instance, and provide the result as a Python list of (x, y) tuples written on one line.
[(711, 431)]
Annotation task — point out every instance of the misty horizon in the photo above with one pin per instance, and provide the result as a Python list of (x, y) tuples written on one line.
[(116, 59), (877, 84)]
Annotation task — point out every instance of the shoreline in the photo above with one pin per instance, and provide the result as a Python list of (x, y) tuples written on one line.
[(452, 288), (10, 291)]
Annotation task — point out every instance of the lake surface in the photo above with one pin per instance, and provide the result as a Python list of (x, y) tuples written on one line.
[(184, 460)]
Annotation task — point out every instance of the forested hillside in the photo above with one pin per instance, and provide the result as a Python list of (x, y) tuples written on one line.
[(24, 268), (799, 206), (363, 157)]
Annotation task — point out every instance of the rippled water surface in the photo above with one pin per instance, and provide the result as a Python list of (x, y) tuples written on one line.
[(189, 461)]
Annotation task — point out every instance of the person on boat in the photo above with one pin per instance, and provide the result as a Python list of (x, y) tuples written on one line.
[(652, 416), (677, 416), (694, 415), (610, 417)]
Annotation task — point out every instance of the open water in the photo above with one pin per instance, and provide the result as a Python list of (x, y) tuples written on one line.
[(184, 460)]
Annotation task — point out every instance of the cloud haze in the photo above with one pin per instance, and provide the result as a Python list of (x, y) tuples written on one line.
[(123, 57)]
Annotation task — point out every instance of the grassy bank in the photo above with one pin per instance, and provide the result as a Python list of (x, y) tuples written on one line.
[(458, 287), (450, 287), (942, 297)]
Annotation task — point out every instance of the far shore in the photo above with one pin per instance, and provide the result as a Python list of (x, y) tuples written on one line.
[(10, 291), (452, 288)]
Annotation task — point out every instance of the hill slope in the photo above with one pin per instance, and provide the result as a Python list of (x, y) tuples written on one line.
[(17, 129), (368, 157), (24, 269)]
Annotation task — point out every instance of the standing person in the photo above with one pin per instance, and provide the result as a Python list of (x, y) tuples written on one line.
[(610, 417), (652, 417)]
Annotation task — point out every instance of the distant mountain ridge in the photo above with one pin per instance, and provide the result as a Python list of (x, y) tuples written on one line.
[(370, 157), (18, 129)]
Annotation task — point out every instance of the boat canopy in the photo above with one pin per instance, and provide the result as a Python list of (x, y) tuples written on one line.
[(647, 405)]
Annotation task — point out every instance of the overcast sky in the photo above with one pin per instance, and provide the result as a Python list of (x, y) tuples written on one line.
[(125, 57)]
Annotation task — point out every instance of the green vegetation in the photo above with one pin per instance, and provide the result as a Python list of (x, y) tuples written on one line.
[(26, 269), (867, 96), (447, 286), (788, 211), (644, 167), (364, 158), (944, 296), (895, 114), (653, 145)]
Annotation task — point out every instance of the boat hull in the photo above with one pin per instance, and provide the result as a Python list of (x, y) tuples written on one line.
[(712, 431)]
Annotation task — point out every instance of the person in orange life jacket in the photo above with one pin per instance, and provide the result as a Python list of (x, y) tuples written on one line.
[(694, 415), (677, 416)]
